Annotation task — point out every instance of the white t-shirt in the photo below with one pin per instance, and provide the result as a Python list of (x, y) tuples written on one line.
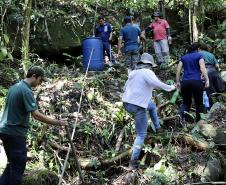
[(139, 86)]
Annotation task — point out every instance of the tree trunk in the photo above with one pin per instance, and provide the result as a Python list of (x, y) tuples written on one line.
[(162, 8), (190, 23), (202, 17), (194, 21), (25, 35)]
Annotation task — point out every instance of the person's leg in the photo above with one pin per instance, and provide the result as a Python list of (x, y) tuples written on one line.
[(152, 109), (141, 124), (17, 157), (165, 50), (135, 58), (197, 90), (107, 48), (187, 98), (158, 52)]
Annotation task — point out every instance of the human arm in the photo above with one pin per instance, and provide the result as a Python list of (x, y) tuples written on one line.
[(110, 32), (119, 45), (153, 80), (204, 72), (110, 37), (43, 118), (179, 68)]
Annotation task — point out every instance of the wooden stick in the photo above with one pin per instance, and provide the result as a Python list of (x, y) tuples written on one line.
[(74, 152), (119, 140)]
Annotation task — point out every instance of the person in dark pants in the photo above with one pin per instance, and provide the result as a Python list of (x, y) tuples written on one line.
[(104, 31), (130, 34), (216, 83), (191, 84), (14, 124)]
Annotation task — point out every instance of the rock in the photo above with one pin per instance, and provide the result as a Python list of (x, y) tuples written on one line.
[(38, 177), (215, 109), (220, 136), (210, 171), (3, 158), (208, 130), (223, 75)]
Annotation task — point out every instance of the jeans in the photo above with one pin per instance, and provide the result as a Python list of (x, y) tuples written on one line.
[(216, 82), (108, 49), (141, 125), (131, 59), (162, 51), (152, 109), (15, 148), (189, 89)]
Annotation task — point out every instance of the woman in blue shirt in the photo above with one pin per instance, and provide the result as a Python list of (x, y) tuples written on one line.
[(191, 84)]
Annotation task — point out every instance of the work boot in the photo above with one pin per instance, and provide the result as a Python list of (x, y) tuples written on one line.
[(134, 164), (159, 130)]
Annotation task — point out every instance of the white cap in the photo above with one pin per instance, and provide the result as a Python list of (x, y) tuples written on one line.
[(147, 59)]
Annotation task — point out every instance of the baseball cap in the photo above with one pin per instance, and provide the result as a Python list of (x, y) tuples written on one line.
[(147, 59), (39, 71)]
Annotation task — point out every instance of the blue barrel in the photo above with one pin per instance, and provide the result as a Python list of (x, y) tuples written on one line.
[(97, 58)]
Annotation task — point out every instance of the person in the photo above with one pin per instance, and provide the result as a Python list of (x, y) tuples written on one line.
[(216, 84), (191, 84), (136, 98), (104, 31), (161, 35), (152, 110), (130, 35), (14, 124)]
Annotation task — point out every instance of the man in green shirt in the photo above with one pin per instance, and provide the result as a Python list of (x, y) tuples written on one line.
[(212, 67), (14, 124)]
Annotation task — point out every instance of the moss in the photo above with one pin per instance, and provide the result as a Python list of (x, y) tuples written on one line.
[(40, 177)]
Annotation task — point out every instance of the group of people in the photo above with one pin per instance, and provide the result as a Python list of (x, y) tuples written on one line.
[(199, 71), (132, 36)]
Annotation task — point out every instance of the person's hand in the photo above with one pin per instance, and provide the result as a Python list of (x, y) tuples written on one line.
[(173, 87), (207, 84), (170, 40), (178, 85)]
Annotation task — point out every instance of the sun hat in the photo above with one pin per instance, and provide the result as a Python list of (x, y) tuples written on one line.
[(147, 59)]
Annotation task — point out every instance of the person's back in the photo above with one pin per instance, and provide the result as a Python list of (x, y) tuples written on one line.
[(191, 66), (208, 57), (19, 103), (130, 34)]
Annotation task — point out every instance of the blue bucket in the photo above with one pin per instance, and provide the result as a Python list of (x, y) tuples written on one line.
[(97, 58)]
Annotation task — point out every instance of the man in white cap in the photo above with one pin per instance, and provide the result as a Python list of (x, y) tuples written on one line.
[(136, 98)]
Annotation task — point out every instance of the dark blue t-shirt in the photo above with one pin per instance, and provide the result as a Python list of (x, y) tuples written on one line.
[(130, 35), (103, 31), (191, 66)]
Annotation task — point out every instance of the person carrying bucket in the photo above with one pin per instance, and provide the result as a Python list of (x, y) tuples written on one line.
[(104, 31)]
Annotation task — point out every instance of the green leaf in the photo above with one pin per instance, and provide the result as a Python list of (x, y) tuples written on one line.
[(6, 38), (4, 51)]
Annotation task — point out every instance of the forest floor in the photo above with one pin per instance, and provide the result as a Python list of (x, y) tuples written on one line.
[(104, 134)]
